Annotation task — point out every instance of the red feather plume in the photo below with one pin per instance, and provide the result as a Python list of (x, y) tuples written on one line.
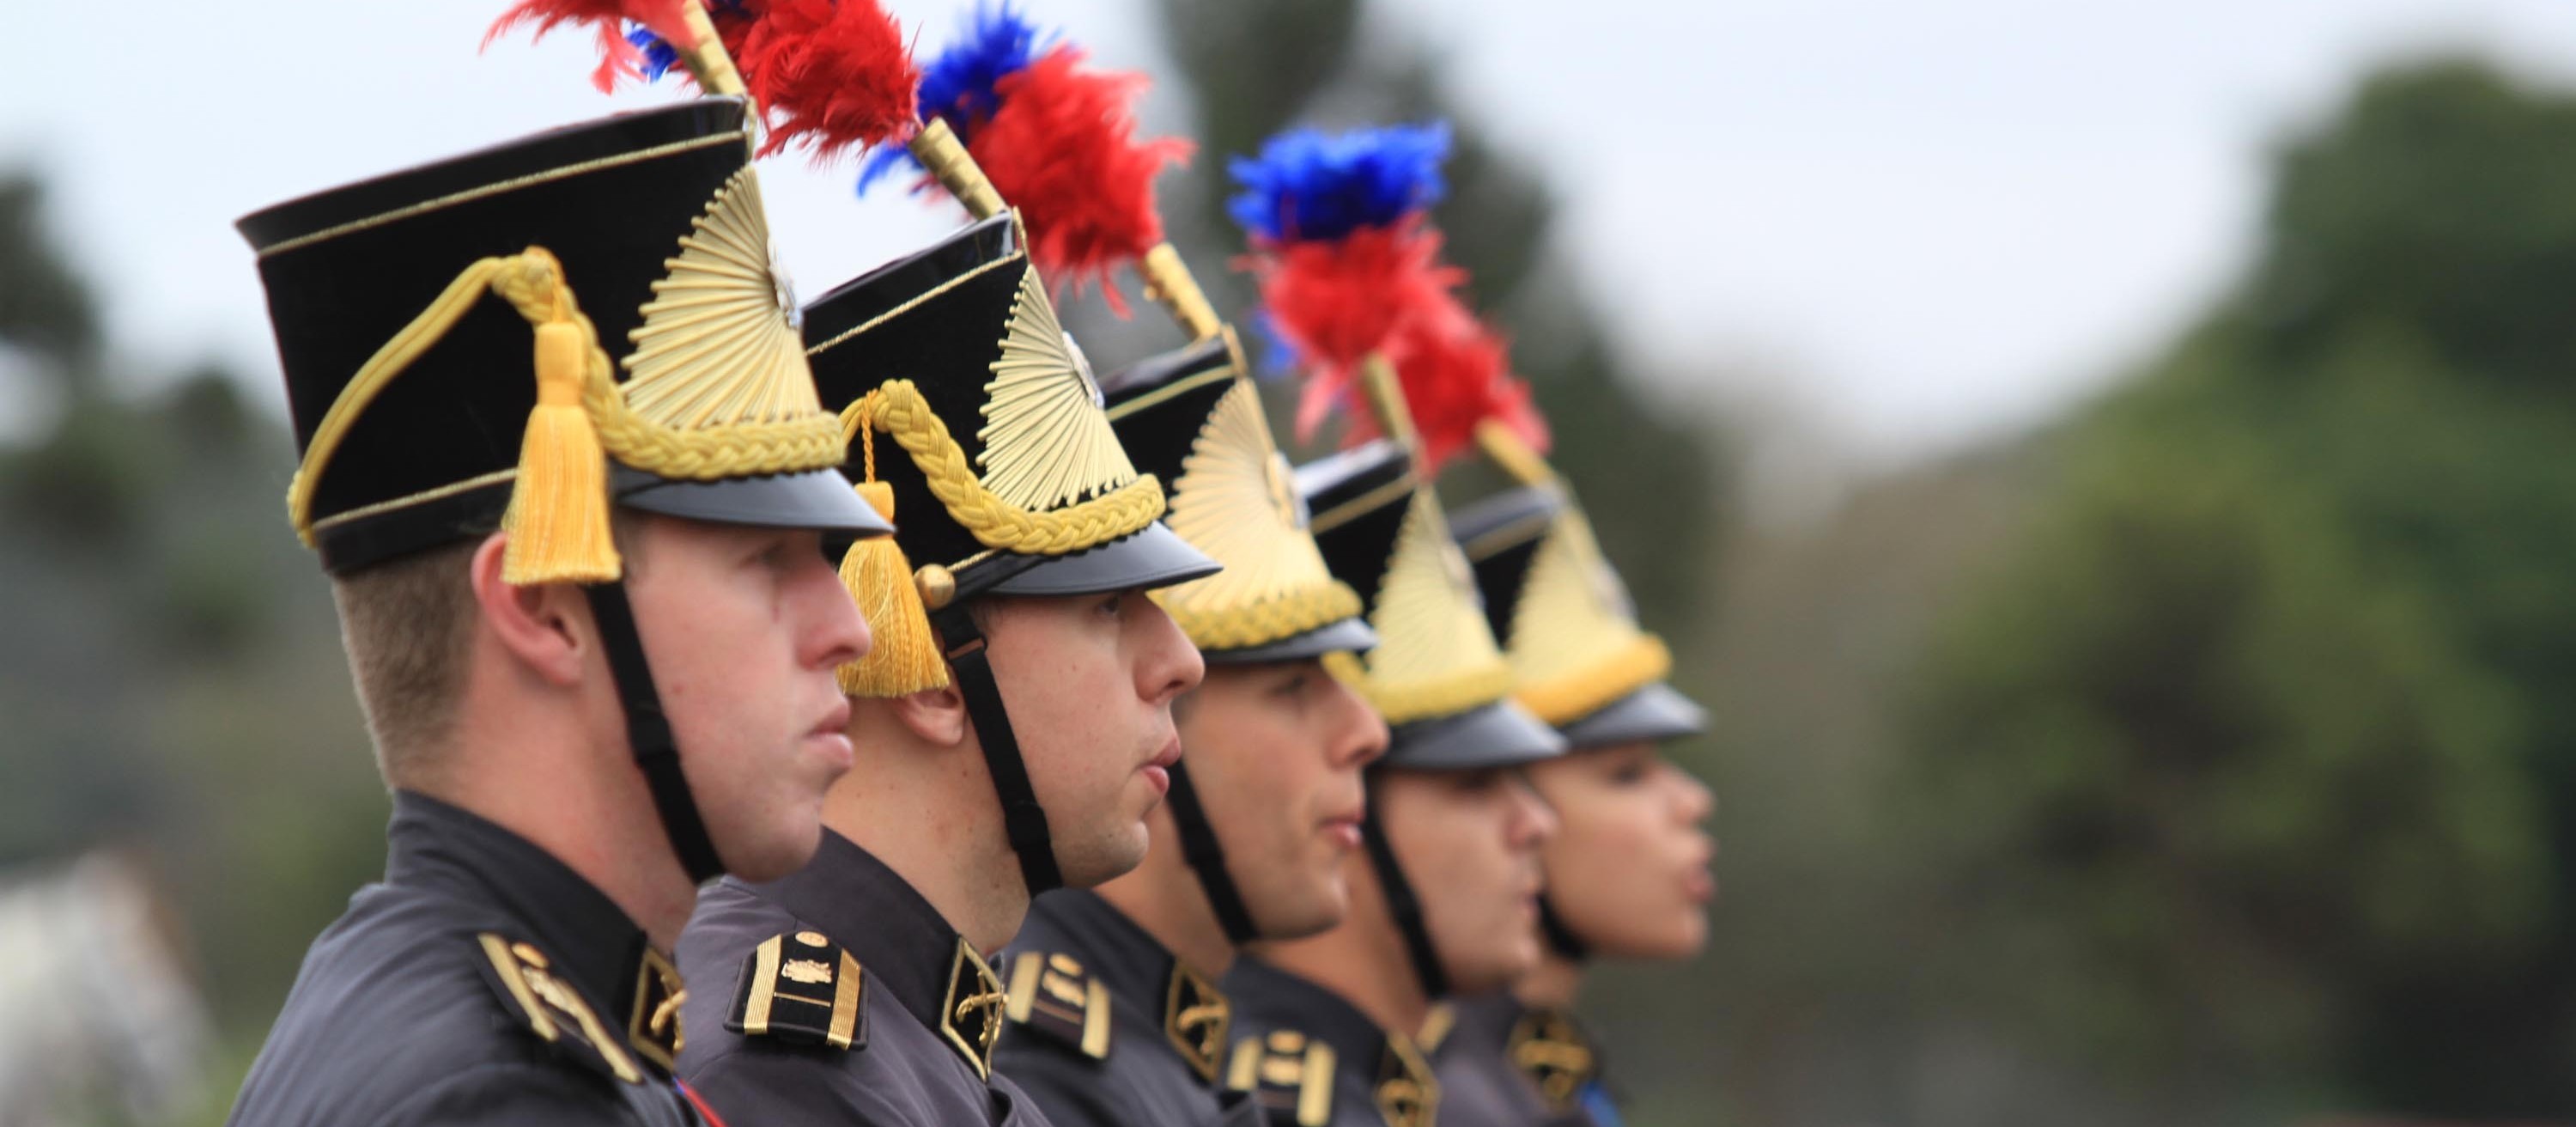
[(1334, 303), (1456, 373), (1384, 290), (1062, 147), (832, 75), (617, 57)]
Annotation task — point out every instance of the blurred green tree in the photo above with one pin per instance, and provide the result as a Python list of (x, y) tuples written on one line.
[(172, 681), (2257, 751)]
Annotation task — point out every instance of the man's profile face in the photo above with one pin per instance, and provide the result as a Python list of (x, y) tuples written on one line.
[(1088, 681), (1469, 844), (743, 628), (1275, 752)]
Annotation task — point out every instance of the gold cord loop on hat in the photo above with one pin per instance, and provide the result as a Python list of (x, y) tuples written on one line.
[(532, 281), (898, 409)]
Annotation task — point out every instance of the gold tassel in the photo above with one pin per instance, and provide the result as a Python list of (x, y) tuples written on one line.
[(558, 516), (904, 657)]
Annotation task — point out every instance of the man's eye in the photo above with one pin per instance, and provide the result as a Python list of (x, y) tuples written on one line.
[(1113, 604)]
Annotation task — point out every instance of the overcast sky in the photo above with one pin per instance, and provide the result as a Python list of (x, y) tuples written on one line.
[(1929, 221)]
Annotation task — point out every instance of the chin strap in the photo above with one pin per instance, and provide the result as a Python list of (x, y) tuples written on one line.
[(648, 731), (1023, 819), (1560, 934), (1206, 858), (1402, 904)]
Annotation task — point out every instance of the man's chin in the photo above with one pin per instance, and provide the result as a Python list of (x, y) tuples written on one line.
[(785, 854)]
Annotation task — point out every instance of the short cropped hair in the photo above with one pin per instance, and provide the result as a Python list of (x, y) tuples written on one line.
[(408, 625)]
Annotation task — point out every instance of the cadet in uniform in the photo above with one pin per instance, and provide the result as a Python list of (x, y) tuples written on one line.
[(1117, 1016), (587, 607), (1627, 872), (1013, 724)]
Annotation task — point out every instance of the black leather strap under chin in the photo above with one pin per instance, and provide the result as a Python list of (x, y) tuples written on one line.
[(657, 752), (1206, 858), (1023, 820), (1402, 904), (1560, 935)]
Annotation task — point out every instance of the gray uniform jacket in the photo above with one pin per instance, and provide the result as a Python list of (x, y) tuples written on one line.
[(1109, 1029), (482, 982), (839, 996), (1310, 1058), (1500, 1062)]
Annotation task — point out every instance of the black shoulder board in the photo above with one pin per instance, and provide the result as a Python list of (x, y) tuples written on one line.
[(1052, 994), (1288, 1074), (524, 978), (802, 988)]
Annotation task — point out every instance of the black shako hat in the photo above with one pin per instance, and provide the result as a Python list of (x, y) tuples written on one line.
[(630, 257), (1579, 660), (1436, 674), (403, 308), (984, 418), (1193, 419)]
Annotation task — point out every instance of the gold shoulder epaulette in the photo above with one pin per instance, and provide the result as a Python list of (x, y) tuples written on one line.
[(1196, 1018), (524, 978), (1436, 1028), (1549, 1049), (801, 988), (1407, 1092), (1052, 994), (1289, 1075)]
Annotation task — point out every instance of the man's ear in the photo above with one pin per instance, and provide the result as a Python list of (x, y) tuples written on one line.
[(938, 716), (546, 627)]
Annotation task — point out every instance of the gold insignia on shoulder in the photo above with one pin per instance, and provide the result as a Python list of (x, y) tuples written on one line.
[(803, 989), (718, 345), (552, 1008), (1289, 1076), (1408, 1095), (1196, 1018), (653, 1029), (1436, 1028), (1548, 1048), (970, 1017), (1047, 443), (1051, 994)]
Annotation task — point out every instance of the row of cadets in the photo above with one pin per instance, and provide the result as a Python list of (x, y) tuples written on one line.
[(529, 566), (1116, 1015), (1013, 723), (1626, 870), (1354, 289)]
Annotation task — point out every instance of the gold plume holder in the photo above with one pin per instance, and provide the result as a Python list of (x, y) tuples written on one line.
[(940, 152), (1168, 281), (1386, 399), (706, 57), (1514, 455)]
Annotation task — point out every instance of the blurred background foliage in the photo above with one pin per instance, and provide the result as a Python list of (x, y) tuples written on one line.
[(2206, 755)]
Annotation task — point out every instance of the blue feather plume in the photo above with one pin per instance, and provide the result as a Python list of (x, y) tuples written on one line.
[(1278, 356), (1309, 186), (996, 42), (659, 55)]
